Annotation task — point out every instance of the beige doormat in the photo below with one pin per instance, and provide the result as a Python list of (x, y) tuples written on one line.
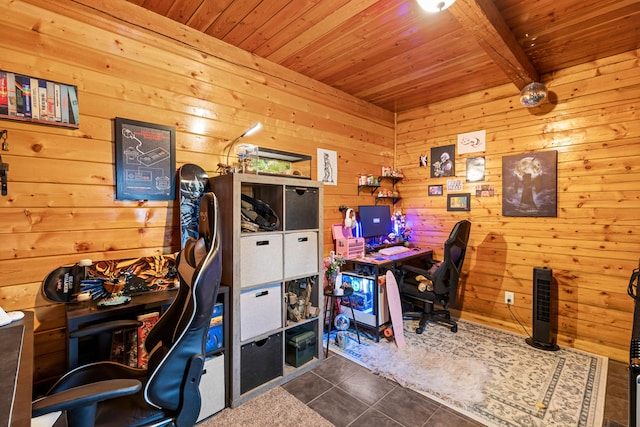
[(274, 408)]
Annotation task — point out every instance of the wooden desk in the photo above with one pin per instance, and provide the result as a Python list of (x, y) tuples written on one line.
[(88, 313), (375, 265), (17, 360)]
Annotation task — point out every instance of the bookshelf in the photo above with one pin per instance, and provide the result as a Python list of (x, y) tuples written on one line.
[(30, 99), (265, 268)]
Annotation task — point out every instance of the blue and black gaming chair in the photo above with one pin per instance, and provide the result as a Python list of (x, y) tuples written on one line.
[(167, 392)]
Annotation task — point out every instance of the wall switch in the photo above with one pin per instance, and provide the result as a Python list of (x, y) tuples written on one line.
[(508, 298)]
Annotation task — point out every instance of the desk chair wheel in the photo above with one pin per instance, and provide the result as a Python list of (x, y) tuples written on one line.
[(454, 328), (419, 330)]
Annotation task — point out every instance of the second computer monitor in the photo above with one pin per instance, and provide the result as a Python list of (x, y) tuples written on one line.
[(375, 220)]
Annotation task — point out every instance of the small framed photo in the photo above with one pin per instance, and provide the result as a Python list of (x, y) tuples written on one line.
[(459, 202), (435, 190)]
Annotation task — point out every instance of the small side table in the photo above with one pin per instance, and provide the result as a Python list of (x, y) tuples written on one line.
[(330, 298)]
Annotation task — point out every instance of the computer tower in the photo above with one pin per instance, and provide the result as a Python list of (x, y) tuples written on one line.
[(364, 299)]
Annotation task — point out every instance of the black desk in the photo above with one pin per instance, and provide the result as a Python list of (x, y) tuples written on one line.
[(375, 265), (87, 313), (17, 372)]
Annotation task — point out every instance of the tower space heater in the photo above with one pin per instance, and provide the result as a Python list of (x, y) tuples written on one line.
[(542, 311)]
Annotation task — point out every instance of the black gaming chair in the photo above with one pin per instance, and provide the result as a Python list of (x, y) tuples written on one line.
[(424, 287), (167, 392)]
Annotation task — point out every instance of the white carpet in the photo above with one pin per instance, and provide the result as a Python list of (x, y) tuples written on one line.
[(491, 375)]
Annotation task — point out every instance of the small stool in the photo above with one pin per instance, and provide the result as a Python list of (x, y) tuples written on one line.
[(331, 297)]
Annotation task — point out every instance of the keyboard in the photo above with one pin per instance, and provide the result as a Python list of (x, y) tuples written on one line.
[(393, 250)]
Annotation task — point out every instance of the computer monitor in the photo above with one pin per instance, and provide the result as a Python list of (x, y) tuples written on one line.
[(375, 220)]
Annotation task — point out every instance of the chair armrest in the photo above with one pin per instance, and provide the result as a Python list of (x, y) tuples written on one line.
[(85, 395), (415, 270), (99, 328)]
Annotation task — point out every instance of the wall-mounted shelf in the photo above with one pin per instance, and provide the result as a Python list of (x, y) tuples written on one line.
[(382, 198), (373, 188), (39, 101)]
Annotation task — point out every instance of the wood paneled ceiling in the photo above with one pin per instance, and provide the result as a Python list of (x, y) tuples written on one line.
[(393, 54)]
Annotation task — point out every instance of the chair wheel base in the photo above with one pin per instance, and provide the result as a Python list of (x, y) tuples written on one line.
[(419, 331), (454, 328)]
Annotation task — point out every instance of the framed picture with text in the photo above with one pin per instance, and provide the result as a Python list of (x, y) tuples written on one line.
[(459, 202), (145, 160)]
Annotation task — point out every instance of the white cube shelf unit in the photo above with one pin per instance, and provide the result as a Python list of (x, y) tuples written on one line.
[(262, 268)]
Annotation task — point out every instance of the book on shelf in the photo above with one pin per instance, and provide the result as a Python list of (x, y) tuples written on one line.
[(4, 99), (35, 99), (124, 347), (118, 346), (19, 95), (51, 110), (215, 336), (56, 102), (26, 95), (148, 321), (11, 94), (64, 104), (42, 94), (73, 106), (131, 347)]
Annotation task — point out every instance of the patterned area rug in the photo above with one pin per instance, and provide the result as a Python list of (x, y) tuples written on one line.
[(490, 375)]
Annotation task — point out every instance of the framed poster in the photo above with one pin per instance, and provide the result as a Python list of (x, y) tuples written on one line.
[(435, 190), (472, 142), (459, 202), (327, 167), (145, 160), (443, 161), (529, 184), (475, 169)]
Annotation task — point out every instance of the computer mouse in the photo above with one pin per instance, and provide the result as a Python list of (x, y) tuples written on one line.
[(416, 249)]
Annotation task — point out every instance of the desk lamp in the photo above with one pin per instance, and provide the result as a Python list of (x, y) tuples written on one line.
[(253, 129)]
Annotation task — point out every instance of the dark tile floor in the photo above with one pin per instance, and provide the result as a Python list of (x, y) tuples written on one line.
[(347, 394)]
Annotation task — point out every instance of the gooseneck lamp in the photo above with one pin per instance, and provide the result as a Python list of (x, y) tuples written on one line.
[(253, 129)]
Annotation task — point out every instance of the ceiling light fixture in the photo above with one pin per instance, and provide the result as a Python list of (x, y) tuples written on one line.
[(253, 129), (533, 94), (435, 6)]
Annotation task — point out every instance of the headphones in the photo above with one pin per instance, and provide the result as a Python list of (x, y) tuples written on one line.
[(349, 219)]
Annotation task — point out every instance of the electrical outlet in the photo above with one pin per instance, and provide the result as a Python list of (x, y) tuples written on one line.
[(508, 298)]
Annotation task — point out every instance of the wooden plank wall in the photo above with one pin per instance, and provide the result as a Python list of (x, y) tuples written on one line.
[(592, 245), (61, 208)]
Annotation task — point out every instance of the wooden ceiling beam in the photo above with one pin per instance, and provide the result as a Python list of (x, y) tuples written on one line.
[(484, 22)]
